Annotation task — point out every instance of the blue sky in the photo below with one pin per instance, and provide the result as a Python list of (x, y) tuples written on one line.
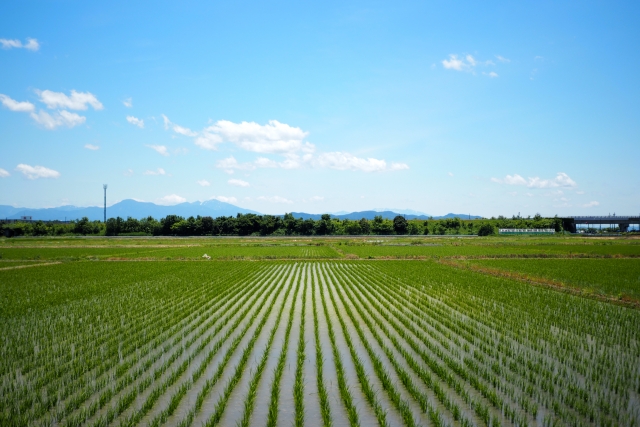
[(489, 108)]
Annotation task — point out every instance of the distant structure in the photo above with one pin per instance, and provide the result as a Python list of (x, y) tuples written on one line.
[(622, 221), (526, 231), (105, 202)]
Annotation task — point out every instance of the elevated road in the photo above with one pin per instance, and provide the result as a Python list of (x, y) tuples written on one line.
[(622, 221)]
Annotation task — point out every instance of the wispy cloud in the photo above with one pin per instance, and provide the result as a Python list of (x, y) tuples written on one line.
[(502, 59), (136, 121), (128, 102), (76, 101), (170, 200), (204, 183), (238, 183), (91, 147), (31, 44), (4, 173), (561, 180), (158, 171), (160, 149), (469, 63), (19, 106), (57, 119), (345, 161), (35, 172), (128, 172)]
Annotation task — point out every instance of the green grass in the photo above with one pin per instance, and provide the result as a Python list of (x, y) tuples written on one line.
[(606, 276)]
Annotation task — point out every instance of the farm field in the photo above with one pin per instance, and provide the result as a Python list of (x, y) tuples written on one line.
[(604, 276), (302, 342)]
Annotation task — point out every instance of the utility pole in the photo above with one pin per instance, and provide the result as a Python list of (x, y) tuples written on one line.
[(105, 202)]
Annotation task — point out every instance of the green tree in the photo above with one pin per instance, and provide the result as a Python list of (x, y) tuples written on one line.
[(486, 229), (400, 225)]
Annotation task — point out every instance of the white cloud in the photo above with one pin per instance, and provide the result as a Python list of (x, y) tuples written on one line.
[(561, 180), (136, 121), (19, 106), (225, 199), (454, 63), (450, 174), (35, 172), (230, 163), (184, 131), (315, 199), (4, 173), (61, 118), (204, 183), (345, 161), (32, 44), (91, 147), (128, 172), (591, 204), (158, 171), (263, 162), (275, 199), (238, 183), (469, 64), (128, 102), (160, 149), (77, 100), (274, 137), (171, 199)]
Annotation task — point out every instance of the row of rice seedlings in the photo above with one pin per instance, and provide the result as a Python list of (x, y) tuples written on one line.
[(443, 372), (483, 370), (367, 388), (325, 409), (222, 306), (68, 388), (566, 400), (253, 385), (159, 390), (406, 377), (177, 396), (272, 416), (298, 386), (187, 420), (79, 386), (381, 372), (221, 404), (345, 393)]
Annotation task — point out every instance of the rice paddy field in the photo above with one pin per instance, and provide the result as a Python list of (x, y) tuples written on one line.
[(320, 332)]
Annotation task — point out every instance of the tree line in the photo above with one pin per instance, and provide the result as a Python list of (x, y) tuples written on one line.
[(273, 225)]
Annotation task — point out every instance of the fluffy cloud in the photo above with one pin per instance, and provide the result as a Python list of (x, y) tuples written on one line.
[(203, 183), (77, 100), (345, 161), (274, 137), (177, 128), (225, 199), (171, 199), (238, 183), (561, 180), (136, 121), (91, 147), (591, 204), (4, 173), (160, 149), (19, 106), (158, 171), (31, 44), (35, 172), (60, 118), (275, 199), (128, 102)]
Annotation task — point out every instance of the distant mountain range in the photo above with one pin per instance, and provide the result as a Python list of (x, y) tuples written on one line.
[(126, 208), (213, 208), (385, 214)]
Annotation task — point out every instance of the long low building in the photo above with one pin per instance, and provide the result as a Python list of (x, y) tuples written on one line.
[(623, 222)]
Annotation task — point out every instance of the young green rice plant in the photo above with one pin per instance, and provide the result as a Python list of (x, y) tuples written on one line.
[(325, 409), (298, 386), (345, 393), (272, 417)]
